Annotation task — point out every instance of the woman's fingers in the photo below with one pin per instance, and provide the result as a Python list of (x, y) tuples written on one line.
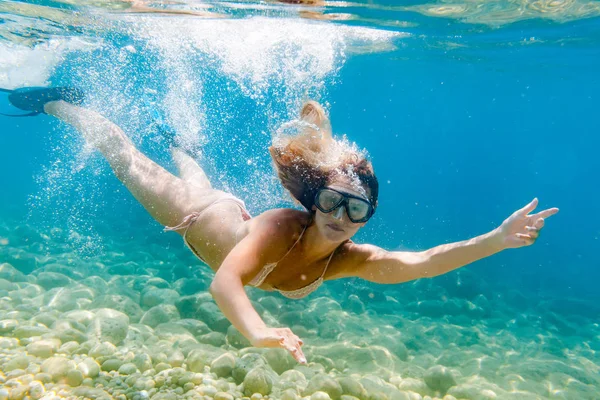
[(539, 223), (295, 351), (524, 239), (292, 343), (532, 232), (546, 213), (529, 207)]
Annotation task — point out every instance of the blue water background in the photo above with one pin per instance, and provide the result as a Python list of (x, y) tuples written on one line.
[(459, 140)]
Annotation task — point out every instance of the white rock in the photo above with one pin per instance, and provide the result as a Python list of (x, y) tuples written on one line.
[(57, 367), (43, 348), (109, 325), (89, 368), (36, 390)]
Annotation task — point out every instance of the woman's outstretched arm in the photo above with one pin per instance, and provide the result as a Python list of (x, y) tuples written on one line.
[(381, 266), (227, 288)]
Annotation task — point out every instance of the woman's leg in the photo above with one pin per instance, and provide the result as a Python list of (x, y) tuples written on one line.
[(166, 197), (189, 170)]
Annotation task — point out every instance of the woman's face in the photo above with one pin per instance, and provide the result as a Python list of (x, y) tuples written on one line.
[(336, 226)]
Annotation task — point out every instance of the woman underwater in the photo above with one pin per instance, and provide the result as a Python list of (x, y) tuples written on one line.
[(286, 250)]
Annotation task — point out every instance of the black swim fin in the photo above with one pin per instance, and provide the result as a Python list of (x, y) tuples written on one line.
[(33, 99)]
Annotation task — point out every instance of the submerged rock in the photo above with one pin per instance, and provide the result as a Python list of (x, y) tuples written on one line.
[(160, 314), (439, 378), (51, 280), (324, 383), (19, 362), (173, 333), (223, 365), (120, 303), (25, 331), (83, 317), (245, 364), (142, 361), (89, 367), (195, 327), (112, 364), (210, 313), (155, 296), (58, 367), (11, 274), (7, 285), (36, 390), (104, 349), (201, 357), (8, 325), (190, 286), (258, 380), (109, 326), (43, 348), (352, 387), (280, 360), (236, 339), (216, 339), (127, 369)]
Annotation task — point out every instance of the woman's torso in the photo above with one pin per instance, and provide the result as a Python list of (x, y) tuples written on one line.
[(288, 270)]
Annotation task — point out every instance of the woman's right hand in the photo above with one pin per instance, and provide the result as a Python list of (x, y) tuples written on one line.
[(280, 337)]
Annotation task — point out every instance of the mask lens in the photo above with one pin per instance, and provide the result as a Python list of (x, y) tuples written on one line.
[(328, 199), (358, 209)]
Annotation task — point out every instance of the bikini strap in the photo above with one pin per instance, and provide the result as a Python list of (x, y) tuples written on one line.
[(328, 261), (294, 245), (185, 223), (191, 218)]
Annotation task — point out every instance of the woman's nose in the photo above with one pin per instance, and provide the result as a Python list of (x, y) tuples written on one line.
[(339, 213)]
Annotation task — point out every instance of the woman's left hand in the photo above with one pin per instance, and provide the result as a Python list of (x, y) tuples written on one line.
[(522, 229)]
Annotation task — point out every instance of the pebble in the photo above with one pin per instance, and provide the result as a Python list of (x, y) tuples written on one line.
[(207, 390), (258, 380), (127, 369), (8, 325), (223, 365), (36, 390), (142, 361), (112, 364), (57, 367), (104, 349), (439, 378), (162, 366), (89, 367), (43, 348), (320, 396), (19, 362)]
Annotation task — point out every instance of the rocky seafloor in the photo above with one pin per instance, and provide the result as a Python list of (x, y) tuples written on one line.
[(136, 322)]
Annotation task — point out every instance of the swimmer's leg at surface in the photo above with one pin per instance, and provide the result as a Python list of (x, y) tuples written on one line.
[(166, 197), (189, 170)]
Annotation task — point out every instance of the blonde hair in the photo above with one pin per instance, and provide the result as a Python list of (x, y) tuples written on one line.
[(308, 161)]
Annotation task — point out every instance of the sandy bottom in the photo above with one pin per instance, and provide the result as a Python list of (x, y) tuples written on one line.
[(134, 325)]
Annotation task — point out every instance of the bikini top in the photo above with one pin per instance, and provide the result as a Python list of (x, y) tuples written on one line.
[(268, 268), (290, 294)]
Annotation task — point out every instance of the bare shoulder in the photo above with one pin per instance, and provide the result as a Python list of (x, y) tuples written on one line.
[(281, 221), (276, 230), (268, 237), (350, 257)]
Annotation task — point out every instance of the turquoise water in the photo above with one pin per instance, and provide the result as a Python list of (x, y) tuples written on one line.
[(468, 110)]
